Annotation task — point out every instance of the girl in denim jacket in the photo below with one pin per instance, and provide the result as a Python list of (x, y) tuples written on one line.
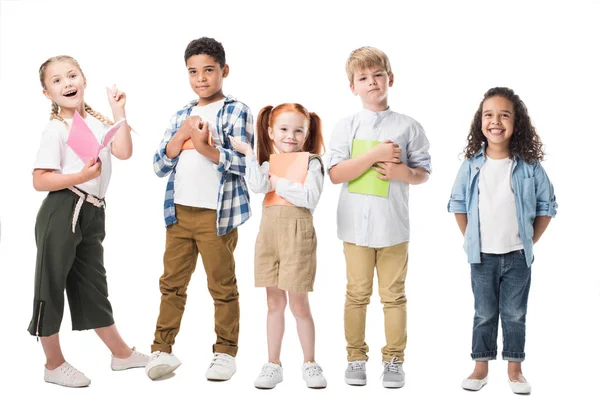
[(503, 202)]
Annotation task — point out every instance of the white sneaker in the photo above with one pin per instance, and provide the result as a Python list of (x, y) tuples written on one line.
[(313, 376), (135, 360), (270, 375), (161, 364), (520, 387), (474, 384), (221, 368), (66, 375)]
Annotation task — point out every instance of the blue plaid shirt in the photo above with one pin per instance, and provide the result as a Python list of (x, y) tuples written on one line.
[(233, 202)]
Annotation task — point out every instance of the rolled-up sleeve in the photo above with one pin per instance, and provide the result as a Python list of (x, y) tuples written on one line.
[(458, 197), (546, 204), (417, 149), (339, 147), (163, 165), (243, 130)]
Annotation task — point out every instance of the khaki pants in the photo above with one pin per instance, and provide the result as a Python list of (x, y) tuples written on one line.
[(391, 263), (193, 233)]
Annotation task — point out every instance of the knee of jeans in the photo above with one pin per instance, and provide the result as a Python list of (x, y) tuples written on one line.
[(361, 297), (516, 315), (485, 315)]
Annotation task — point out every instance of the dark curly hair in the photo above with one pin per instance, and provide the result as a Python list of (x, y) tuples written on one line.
[(524, 143), (208, 46)]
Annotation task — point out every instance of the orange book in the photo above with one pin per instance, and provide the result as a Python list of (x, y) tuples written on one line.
[(291, 166), (189, 145)]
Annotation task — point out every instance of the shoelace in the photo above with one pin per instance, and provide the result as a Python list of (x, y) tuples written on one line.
[(267, 371), (392, 366), (355, 365), (69, 370), (314, 370)]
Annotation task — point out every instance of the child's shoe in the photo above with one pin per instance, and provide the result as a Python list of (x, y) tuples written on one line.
[(161, 364), (66, 375), (313, 375), (270, 375), (135, 360), (356, 373), (393, 374), (520, 387), (221, 368), (474, 384)]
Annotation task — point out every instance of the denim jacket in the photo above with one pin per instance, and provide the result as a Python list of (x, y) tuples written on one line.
[(534, 196)]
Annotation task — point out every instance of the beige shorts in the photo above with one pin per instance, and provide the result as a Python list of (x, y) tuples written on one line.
[(286, 249)]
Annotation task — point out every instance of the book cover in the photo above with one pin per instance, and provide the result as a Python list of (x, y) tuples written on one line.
[(83, 141), (291, 166), (368, 182)]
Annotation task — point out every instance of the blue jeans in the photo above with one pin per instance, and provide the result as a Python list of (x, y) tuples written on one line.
[(501, 287)]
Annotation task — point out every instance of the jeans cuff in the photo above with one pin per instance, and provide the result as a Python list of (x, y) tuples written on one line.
[(222, 348), (513, 356), (166, 348), (484, 356)]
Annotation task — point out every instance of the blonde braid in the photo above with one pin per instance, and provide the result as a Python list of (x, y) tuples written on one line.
[(54, 114), (97, 115)]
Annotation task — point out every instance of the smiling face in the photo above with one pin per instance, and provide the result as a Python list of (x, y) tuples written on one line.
[(206, 77), (64, 84), (289, 132), (372, 84), (497, 122)]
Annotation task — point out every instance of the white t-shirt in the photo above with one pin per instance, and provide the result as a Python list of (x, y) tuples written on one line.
[(197, 180), (55, 154), (497, 210)]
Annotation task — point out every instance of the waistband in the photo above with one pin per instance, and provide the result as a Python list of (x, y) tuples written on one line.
[(83, 196), (287, 211)]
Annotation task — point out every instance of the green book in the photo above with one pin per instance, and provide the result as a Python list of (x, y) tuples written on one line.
[(367, 183)]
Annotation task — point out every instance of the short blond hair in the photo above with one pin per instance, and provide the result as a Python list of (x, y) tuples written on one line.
[(366, 57)]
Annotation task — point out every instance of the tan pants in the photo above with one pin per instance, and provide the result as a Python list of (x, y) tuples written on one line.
[(195, 232), (391, 263)]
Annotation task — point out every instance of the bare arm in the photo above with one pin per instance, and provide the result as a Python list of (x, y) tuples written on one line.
[(122, 146), (539, 226), (461, 220), (47, 180)]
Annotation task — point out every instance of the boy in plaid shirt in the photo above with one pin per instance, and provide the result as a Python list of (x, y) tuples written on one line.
[(206, 200)]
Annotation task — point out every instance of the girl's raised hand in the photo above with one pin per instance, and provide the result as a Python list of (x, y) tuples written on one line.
[(116, 99), (241, 147)]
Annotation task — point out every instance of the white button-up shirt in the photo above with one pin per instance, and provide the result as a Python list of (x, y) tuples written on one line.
[(374, 221)]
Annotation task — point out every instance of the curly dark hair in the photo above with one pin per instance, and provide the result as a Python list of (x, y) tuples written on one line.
[(524, 143), (208, 46)]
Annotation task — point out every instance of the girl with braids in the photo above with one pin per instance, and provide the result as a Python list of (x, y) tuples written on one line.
[(70, 225), (285, 257), (503, 202)]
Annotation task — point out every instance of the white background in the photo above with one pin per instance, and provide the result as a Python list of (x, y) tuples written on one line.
[(445, 55)]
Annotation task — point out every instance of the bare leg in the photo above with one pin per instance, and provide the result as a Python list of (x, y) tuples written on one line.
[(514, 372), (480, 371), (53, 352), (304, 324), (276, 300), (111, 338)]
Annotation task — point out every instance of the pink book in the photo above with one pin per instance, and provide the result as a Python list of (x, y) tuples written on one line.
[(83, 141)]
